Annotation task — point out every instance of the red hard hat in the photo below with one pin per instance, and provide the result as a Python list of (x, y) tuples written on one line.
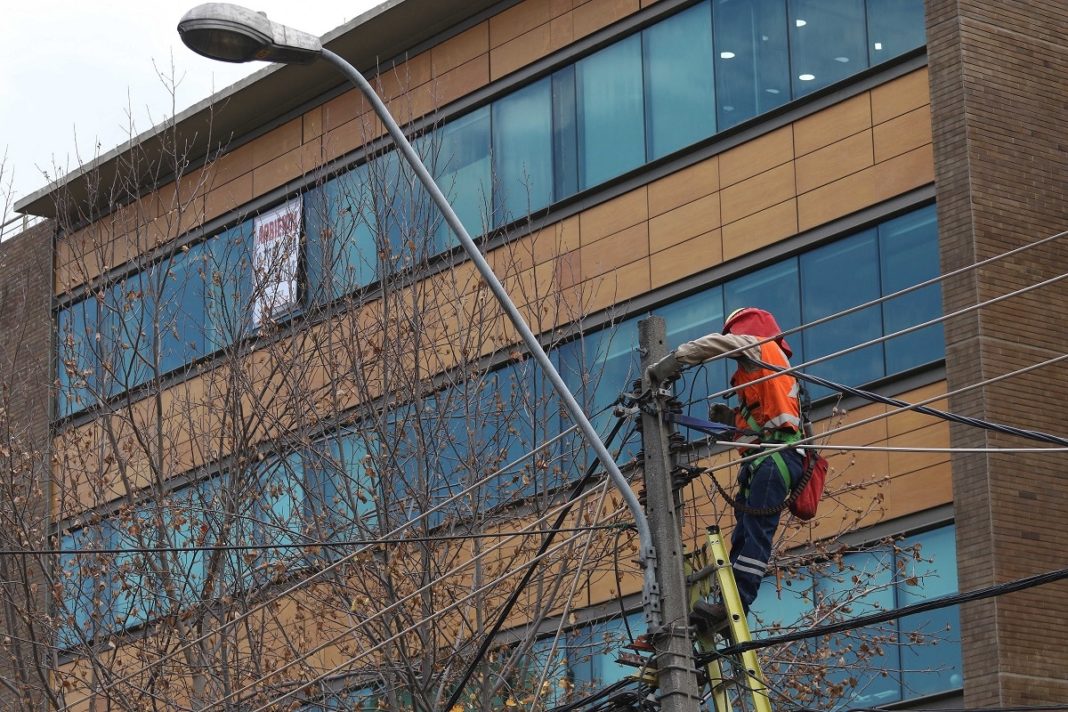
[(755, 322)]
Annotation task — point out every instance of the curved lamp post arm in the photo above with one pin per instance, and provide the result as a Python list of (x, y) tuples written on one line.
[(231, 33), (647, 553)]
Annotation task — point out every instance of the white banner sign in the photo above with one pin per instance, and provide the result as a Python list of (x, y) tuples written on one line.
[(274, 260)]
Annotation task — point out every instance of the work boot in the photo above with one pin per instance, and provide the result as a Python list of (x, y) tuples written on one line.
[(708, 618)]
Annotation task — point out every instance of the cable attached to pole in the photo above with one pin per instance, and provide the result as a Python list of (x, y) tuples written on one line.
[(488, 639), (929, 605), (926, 410)]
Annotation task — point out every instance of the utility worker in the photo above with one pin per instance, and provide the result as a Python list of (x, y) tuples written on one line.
[(768, 412)]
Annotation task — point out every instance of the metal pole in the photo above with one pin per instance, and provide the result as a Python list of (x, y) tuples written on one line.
[(674, 648), (647, 554)]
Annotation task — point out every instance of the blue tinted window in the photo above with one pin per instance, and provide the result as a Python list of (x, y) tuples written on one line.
[(930, 654), (77, 357), (182, 515), (774, 288), (908, 248), (600, 366), (836, 277), (592, 651), (340, 497), (462, 171), (611, 119), (826, 42), (863, 585), (916, 655), (565, 134), (894, 27), (783, 604), (680, 94), (691, 318), (182, 308), (133, 589), (228, 273), (407, 220), (128, 332), (752, 67), (277, 515), (341, 254), (523, 151), (85, 611)]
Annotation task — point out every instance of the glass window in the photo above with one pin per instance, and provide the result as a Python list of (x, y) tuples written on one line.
[(836, 277), (77, 357), (611, 120), (863, 584), (827, 39), (182, 308), (680, 93), (894, 27), (228, 273), (592, 651), (565, 133), (340, 501), (182, 514), (691, 318), (128, 332), (930, 642), (85, 609), (774, 288), (597, 368), (752, 61), (461, 167), (548, 665), (340, 253), (782, 604), (908, 249), (523, 152), (406, 219), (277, 515)]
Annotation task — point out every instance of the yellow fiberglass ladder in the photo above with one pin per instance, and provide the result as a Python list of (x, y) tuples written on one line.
[(744, 688)]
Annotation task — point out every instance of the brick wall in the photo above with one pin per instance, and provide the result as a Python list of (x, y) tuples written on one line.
[(25, 348), (999, 102)]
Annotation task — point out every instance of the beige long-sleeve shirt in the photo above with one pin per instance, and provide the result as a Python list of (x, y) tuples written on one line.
[(704, 348)]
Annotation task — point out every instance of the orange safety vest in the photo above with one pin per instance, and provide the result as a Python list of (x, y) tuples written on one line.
[(772, 405)]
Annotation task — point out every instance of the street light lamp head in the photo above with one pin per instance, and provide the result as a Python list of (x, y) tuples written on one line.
[(231, 33)]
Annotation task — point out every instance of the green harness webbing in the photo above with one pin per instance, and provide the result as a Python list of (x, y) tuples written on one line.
[(776, 436)]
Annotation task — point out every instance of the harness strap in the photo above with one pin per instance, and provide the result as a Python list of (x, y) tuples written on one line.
[(776, 436)]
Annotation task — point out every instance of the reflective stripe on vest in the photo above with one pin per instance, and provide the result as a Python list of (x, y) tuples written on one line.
[(770, 407)]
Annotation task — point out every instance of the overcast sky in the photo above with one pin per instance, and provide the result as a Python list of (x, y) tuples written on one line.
[(74, 75)]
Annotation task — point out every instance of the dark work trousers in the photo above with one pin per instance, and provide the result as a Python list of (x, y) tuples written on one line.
[(759, 488)]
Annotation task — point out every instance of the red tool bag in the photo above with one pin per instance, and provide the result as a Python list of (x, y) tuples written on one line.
[(809, 492)]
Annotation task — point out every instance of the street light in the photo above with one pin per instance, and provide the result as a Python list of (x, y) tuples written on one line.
[(231, 33)]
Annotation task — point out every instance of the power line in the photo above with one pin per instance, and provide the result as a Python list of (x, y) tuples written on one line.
[(310, 544), (875, 302), (874, 618), (794, 369), (811, 440), (232, 621), (1013, 708), (944, 415), (405, 631), (529, 568), (510, 603)]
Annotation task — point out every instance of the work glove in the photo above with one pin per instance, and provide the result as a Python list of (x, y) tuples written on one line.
[(721, 413), (666, 369)]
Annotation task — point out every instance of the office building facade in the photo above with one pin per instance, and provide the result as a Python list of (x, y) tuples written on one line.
[(281, 401)]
